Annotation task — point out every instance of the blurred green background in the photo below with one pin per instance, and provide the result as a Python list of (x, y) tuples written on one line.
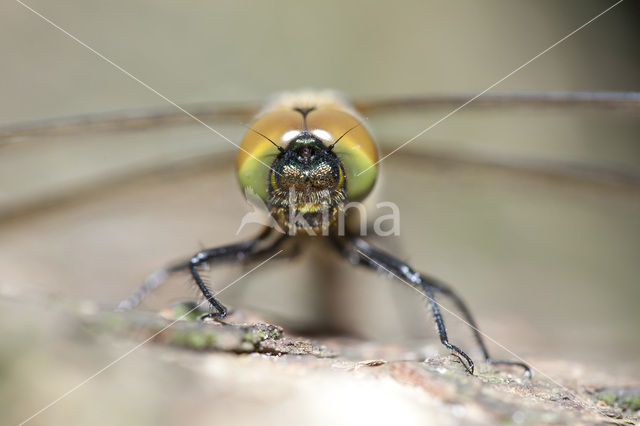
[(548, 264)]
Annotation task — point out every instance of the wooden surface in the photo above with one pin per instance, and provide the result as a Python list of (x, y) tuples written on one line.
[(245, 372)]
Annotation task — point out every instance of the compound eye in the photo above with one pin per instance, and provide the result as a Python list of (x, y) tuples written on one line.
[(257, 153), (356, 150)]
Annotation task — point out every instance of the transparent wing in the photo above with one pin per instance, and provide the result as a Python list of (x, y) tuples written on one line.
[(584, 136)]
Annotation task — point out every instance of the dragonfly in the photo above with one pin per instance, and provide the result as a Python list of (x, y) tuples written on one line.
[(131, 145)]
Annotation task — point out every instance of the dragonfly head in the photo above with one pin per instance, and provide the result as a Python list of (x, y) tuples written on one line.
[(306, 156)]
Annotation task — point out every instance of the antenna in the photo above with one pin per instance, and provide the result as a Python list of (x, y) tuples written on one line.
[(274, 144), (343, 135)]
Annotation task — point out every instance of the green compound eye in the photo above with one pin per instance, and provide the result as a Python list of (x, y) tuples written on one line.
[(257, 152), (356, 149)]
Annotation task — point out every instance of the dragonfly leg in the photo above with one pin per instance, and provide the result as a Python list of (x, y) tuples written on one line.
[(247, 250), (462, 307), (360, 252), (240, 252)]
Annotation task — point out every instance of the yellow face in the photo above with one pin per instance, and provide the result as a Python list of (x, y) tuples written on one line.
[(327, 119)]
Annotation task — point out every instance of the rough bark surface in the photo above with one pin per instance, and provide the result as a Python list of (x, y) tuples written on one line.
[(244, 371)]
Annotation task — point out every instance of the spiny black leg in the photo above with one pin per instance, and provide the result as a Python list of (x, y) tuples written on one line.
[(358, 251), (221, 310), (361, 253), (462, 307), (416, 279), (234, 252)]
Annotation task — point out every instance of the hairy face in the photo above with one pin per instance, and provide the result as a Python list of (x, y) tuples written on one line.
[(306, 182)]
